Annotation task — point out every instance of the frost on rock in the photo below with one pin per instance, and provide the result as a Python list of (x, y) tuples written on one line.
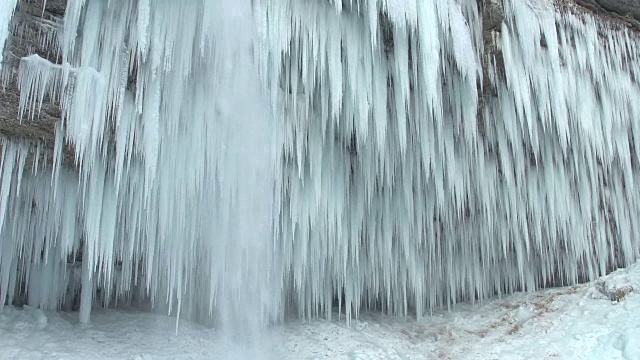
[(236, 159)]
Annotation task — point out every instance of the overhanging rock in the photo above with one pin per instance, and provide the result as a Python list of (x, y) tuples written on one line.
[(33, 30)]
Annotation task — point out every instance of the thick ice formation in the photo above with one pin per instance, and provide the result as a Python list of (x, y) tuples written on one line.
[(173, 194), (6, 12), (401, 192), (400, 183)]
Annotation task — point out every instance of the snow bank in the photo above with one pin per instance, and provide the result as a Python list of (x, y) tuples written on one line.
[(559, 323)]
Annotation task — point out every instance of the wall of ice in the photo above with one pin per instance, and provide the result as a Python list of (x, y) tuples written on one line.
[(237, 158), (408, 185), (173, 194)]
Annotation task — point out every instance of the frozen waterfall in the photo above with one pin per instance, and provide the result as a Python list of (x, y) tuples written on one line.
[(234, 159), (172, 195)]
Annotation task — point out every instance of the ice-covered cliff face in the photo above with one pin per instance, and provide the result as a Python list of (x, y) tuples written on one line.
[(398, 154), (407, 186), (173, 194)]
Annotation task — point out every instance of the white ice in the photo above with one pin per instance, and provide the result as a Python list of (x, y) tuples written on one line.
[(7, 8), (236, 160), (577, 322)]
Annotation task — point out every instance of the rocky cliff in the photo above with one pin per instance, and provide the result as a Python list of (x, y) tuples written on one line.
[(426, 152), (36, 23)]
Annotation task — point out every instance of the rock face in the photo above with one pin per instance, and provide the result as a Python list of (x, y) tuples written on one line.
[(33, 31), (475, 179), (34, 18), (626, 11)]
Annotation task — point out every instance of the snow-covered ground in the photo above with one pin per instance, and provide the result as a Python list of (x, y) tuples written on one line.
[(578, 322)]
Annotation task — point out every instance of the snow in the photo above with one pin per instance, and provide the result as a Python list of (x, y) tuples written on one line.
[(237, 160), (577, 322)]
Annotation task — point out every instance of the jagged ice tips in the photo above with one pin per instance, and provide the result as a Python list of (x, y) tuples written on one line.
[(237, 159)]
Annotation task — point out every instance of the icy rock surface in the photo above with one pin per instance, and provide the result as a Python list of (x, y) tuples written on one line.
[(322, 155), (400, 192), (173, 195)]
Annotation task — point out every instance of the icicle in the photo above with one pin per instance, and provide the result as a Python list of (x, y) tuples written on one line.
[(360, 171), (6, 13), (167, 181), (433, 209)]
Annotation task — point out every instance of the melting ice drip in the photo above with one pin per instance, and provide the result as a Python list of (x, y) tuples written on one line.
[(402, 182)]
